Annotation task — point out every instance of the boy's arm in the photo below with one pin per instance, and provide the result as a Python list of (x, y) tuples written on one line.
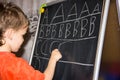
[(49, 72)]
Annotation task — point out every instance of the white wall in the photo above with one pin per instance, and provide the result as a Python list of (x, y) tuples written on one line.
[(35, 6), (33, 13)]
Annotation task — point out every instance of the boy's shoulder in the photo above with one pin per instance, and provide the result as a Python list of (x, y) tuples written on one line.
[(6, 54), (9, 60)]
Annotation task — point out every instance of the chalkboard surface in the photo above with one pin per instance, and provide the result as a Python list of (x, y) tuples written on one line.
[(72, 26)]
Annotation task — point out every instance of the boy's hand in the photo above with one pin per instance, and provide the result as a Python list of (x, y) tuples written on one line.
[(56, 55)]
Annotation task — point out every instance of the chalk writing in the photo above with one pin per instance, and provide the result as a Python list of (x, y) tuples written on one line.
[(72, 26), (84, 25), (78, 25)]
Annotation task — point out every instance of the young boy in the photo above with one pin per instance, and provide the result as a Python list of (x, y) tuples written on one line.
[(13, 26)]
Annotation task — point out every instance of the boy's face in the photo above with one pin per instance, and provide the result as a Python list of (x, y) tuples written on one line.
[(18, 38)]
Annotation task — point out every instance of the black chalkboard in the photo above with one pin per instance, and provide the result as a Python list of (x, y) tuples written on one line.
[(72, 26)]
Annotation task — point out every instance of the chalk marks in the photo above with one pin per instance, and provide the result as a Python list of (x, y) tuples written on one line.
[(59, 44), (81, 28), (73, 27), (65, 27), (83, 22), (66, 62)]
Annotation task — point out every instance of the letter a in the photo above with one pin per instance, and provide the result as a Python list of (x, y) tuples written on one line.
[(96, 9), (85, 10), (45, 17), (59, 15), (72, 13)]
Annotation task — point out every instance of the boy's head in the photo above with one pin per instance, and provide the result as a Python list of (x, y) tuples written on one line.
[(12, 19)]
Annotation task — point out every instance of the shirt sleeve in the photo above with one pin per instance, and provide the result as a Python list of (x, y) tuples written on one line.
[(19, 69)]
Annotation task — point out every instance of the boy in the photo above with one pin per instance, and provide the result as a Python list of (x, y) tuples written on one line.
[(13, 26)]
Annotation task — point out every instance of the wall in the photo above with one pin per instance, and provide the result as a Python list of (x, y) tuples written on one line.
[(110, 62), (111, 49), (33, 12)]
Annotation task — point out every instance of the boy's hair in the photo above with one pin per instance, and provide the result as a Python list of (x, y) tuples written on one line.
[(11, 16)]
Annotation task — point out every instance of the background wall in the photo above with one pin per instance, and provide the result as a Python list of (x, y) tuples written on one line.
[(110, 62), (111, 49)]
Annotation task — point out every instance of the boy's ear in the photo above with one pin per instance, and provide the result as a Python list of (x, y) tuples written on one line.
[(9, 33)]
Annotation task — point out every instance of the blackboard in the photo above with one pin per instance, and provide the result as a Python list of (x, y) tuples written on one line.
[(75, 28)]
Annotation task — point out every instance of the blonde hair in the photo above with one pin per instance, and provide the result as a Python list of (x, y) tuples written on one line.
[(11, 16)]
